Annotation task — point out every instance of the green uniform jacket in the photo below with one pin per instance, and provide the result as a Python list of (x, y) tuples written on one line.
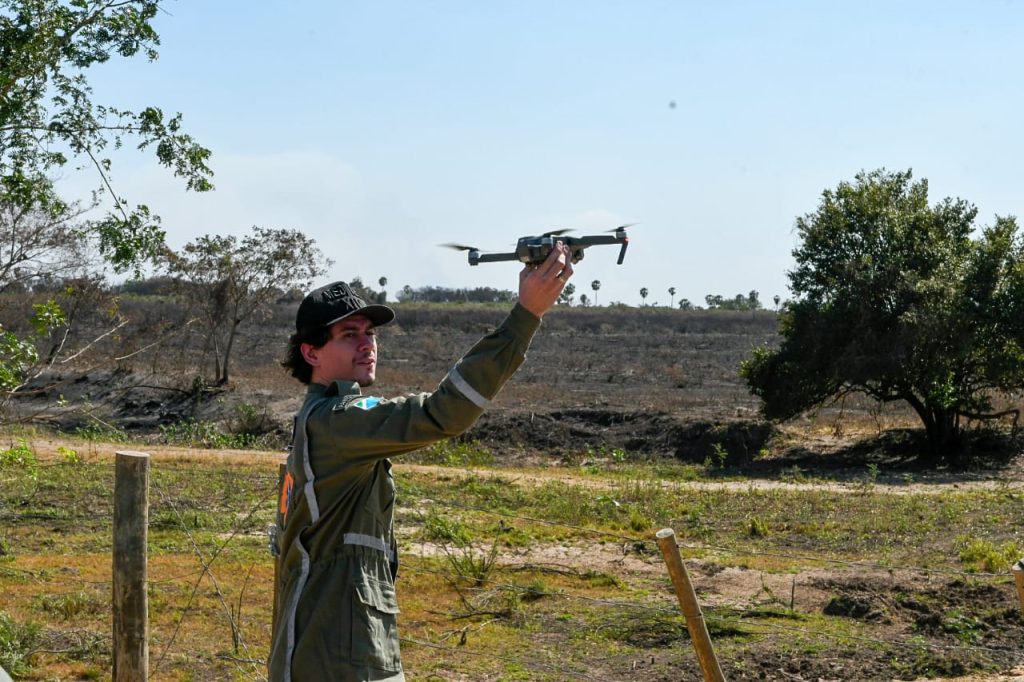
[(336, 596)]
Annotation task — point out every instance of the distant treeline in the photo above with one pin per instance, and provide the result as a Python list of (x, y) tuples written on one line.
[(164, 285)]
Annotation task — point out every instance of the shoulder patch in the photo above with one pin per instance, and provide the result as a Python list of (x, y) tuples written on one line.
[(363, 403)]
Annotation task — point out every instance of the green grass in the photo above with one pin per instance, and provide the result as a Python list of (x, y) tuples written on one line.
[(535, 619)]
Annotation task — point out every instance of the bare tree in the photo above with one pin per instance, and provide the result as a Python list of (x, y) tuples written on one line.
[(231, 281), (39, 244)]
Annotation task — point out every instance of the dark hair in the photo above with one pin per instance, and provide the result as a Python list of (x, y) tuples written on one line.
[(293, 360)]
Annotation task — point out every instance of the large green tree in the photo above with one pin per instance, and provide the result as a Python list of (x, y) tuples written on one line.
[(48, 118), (231, 280), (48, 123), (899, 300)]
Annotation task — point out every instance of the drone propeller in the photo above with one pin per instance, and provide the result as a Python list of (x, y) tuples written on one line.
[(555, 233), (622, 227), (459, 247)]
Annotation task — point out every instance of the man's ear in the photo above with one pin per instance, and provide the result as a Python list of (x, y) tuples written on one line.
[(310, 353)]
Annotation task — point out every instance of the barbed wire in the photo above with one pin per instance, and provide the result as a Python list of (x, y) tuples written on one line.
[(505, 659), (207, 570), (208, 562), (915, 644), (710, 613), (721, 548)]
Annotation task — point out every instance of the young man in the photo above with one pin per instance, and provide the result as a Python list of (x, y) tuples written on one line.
[(336, 604)]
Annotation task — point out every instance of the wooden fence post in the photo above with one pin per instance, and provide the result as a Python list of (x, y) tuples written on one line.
[(282, 469), (690, 606), (130, 600), (1018, 577)]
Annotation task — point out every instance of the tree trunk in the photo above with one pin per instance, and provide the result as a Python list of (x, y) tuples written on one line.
[(223, 378), (932, 430)]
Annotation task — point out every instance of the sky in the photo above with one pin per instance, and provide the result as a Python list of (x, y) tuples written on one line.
[(382, 129)]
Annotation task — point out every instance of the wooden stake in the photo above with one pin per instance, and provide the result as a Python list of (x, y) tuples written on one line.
[(690, 606), (130, 575), (282, 469), (1018, 577)]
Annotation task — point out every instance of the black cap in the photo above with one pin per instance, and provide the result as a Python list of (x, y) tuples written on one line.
[(324, 306)]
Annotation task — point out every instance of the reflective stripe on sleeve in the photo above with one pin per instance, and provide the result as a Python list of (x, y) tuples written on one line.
[(307, 467), (468, 391)]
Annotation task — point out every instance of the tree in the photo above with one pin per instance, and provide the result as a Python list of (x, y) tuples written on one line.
[(231, 281), (584, 301), (672, 293), (643, 294), (595, 285), (892, 298), (383, 297), (776, 299), (37, 244), (567, 293), (48, 118), (684, 304)]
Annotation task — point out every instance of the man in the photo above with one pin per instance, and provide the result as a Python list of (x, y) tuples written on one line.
[(338, 556)]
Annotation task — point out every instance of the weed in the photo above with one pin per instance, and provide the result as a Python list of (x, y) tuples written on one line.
[(98, 432), (17, 642), (468, 560), (205, 434), (472, 562), (978, 554), (69, 456), (72, 604), (19, 455), (757, 527), (718, 457), (438, 528), (533, 591), (251, 420), (451, 453), (793, 474)]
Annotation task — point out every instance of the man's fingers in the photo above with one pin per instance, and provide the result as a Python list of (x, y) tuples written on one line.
[(555, 262)]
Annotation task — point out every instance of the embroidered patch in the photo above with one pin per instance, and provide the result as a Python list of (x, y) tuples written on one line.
[(366, 403), (287, 485)]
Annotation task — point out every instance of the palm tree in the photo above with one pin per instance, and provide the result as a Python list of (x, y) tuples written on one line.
[(595, 285), (383, 298), (672, 293), (643, 294)]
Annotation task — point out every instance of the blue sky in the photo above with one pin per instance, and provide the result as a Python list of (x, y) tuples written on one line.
[(384, 128)]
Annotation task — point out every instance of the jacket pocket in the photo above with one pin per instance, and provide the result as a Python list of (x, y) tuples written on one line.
[(375, 626)]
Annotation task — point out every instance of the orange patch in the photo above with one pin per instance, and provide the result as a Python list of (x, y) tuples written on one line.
[(286, 496)]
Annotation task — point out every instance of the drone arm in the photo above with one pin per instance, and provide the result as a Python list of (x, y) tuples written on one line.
[(494, 257), (581, 243)]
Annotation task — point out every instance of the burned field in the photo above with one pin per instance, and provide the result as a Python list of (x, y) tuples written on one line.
[(820, 550)]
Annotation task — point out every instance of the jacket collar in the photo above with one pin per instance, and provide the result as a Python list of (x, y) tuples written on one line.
[(341, 387)]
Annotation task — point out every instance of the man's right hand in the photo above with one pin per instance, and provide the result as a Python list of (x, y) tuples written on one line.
[(541, 285)]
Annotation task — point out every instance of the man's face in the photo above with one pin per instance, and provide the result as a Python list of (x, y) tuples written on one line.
[(350, 354)]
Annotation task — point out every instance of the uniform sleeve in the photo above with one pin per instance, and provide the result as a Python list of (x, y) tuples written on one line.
[(350, 430)]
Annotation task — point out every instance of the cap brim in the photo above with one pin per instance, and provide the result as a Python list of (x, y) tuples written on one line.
[(378, 314)]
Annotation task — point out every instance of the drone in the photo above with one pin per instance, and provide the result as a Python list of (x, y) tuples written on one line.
[(533, 250)]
